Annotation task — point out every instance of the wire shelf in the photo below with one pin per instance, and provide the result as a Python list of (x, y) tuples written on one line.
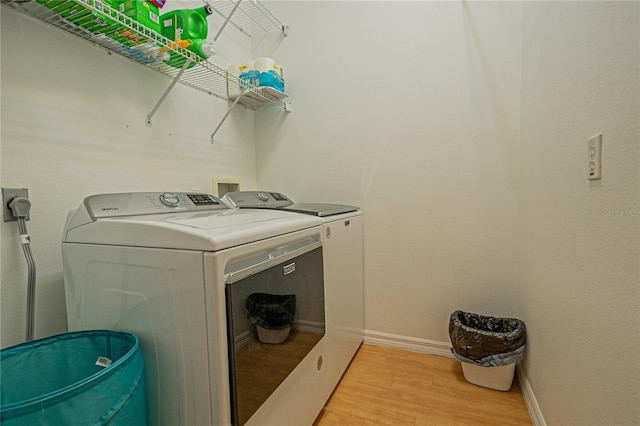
[(98, 23), (250, 17)]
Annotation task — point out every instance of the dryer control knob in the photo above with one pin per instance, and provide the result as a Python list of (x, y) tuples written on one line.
[(263, 196), (169, 199)]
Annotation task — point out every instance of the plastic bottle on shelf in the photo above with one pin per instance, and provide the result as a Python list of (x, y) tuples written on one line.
[(203, 48), (186, 24), (188, 28)]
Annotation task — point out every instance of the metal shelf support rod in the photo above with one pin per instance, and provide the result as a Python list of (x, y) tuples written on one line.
[(227, 114), (166, 92)]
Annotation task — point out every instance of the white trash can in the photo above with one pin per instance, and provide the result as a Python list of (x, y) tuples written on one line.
[(488, 348), (497, 378)]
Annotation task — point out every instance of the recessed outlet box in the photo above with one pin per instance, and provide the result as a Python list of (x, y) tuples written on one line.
[(9, 194), (223, 185)]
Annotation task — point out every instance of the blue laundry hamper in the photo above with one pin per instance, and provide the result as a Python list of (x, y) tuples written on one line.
[(84, 378)]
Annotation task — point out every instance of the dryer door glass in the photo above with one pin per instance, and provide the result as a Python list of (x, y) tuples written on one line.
[(275, 316)]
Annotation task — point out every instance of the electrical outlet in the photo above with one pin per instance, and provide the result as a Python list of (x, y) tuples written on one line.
[(9, 194), (594, 157)]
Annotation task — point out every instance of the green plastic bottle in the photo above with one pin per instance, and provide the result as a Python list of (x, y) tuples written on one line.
[(186, 24), (189, 29)]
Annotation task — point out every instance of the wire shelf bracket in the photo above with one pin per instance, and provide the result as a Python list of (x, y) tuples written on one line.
[(166, 92), (235, 102)]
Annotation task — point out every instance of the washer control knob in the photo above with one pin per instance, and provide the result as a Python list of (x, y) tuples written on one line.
[(169, 199), (263, 196)]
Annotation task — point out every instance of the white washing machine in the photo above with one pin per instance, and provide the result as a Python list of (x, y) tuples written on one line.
[(177, 269), (342, 239)]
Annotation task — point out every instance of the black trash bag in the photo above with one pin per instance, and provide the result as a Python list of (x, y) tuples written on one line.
[(271, 311), (486, 341)]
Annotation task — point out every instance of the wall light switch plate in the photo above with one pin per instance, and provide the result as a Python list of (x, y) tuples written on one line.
[(594, 157)]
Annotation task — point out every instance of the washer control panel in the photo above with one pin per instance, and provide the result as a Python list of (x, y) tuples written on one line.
[(257, 199), (142, 203), (203, 199)]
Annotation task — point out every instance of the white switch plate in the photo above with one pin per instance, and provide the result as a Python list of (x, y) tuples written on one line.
[(594, 157)]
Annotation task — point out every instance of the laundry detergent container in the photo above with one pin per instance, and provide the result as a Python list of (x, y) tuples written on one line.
[(272, 314), (488, 348), (79, 378)]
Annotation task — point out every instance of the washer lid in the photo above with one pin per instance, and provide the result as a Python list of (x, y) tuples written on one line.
[(276, 200), (320, 209), (207, 230)]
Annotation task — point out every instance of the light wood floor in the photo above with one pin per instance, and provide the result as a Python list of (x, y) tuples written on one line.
[(385, 386)]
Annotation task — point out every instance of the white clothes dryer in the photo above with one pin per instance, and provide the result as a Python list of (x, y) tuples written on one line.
[(177, 269), (342, 239)]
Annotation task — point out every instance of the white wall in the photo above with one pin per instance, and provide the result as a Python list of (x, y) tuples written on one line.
[(410, 110), (580, 239), (73, 124)]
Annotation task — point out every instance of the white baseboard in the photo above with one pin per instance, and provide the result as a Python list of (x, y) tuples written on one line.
[(309, 326), (537, 419), (433, 347), (412, 344)]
